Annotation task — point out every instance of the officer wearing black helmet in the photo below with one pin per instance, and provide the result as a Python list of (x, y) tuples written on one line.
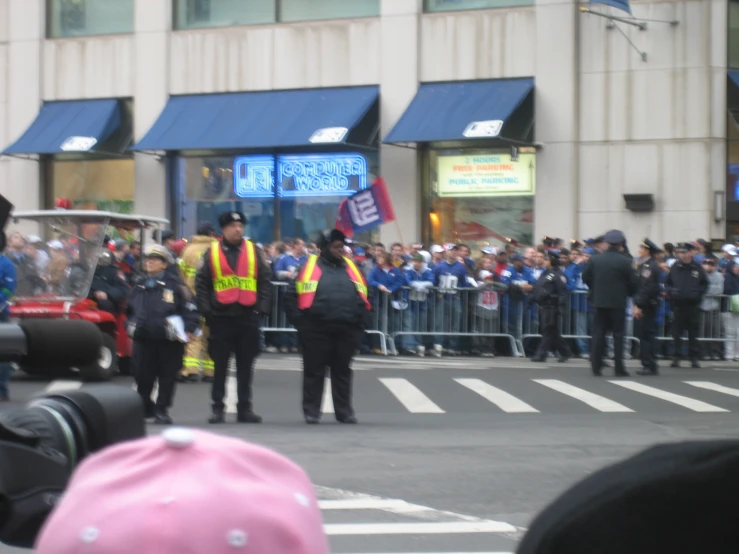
[(550, 292), (329, 307), (611, 281), (685, 286), (646, 302)]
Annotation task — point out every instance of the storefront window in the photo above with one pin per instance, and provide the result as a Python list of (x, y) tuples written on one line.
[(307, 10), (106, 185), (193, 14), (480, 197), (305, 201), (74, 18), (455, 5)]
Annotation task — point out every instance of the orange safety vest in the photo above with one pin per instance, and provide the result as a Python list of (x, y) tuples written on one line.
[(307, 283), (240, 286)]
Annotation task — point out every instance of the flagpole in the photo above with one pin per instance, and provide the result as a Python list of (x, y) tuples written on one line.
[(400, 233)]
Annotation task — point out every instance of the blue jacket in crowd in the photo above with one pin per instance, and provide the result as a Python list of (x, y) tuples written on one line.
[(412, 276), (7, 282), (450, 276), (391, 278)]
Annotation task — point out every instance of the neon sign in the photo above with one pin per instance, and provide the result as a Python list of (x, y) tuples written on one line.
[(300, 175)]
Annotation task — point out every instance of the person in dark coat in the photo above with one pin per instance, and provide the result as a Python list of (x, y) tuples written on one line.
[(233, 291), (550, 292), (328, 306), (158, 349), (685, 286), (646, 302), (611, 281), (109, 287)]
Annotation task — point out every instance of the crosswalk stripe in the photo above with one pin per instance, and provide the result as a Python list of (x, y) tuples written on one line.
[(690, 403), (61, 384), (434, 528), (506, 402), (232, 395), (714, 387), (411, 396), (327, 406), (596, 401)]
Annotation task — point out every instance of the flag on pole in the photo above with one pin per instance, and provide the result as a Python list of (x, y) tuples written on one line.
[(618, 4), (365, 209)]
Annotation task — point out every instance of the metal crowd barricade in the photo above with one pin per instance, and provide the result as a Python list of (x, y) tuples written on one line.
[(462, 319), (469, 319), (277, 321)]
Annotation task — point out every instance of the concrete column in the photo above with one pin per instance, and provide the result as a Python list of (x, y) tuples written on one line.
[(20, 61), (556, 203), (153, 23), (399, 76)]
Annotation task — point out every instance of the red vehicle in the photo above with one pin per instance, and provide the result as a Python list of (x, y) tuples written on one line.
[(59, 287)]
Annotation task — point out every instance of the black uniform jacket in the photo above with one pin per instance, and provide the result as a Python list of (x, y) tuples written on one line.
[(551, 289), (647, 297), (336, 300), (209, 307), (686, 283), (611, 280), (149, 307), (111, 281)]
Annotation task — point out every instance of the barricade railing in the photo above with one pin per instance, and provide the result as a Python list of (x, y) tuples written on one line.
[(471, 319)]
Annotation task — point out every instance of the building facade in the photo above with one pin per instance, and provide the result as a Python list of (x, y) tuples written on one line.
[(486, 118)]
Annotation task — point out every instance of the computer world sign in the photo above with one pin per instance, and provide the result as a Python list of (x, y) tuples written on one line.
[(300, 175)]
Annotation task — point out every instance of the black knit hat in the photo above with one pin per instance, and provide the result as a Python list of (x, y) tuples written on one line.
[(226, 218), (670, 498), (329, 236)]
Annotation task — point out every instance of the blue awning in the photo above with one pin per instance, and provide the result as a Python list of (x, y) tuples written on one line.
[(460, 111), (69, 126), (734, 78), (253, 120), (618, 4)]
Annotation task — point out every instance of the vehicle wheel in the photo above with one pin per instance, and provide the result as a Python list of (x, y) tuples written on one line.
[(106, 365)]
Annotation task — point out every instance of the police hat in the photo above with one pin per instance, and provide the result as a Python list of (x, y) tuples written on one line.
[(158, 251), (554, 258), (205, 228), (574, 243), (649, 245), (614, 237), (547, 241), (684, 247), (226, 218), (512, 241)]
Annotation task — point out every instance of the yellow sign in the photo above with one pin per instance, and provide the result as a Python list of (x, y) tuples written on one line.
[(486, 175)]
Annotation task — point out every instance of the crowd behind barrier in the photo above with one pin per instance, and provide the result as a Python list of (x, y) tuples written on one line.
[(485, 321)]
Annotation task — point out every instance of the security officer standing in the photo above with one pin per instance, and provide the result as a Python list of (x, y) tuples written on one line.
[(233, 289), (685, 286), (157, 349), (330, 310), (611, 281), (196, 352), (550, 292), (646, 303), (109, 287)]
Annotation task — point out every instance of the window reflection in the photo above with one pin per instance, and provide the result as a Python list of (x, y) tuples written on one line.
[(455, 5), (71, 18)]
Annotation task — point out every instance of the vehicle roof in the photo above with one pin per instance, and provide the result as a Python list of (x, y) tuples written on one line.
[(92, 216)]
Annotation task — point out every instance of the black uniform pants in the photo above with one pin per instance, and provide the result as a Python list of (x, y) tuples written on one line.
[(687, 318), (328, 347), (551, 336), (157, 360), (239, 335), (645, 330), (605, 320)]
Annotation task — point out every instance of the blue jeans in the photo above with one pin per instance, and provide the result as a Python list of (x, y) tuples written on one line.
[(6, 370)]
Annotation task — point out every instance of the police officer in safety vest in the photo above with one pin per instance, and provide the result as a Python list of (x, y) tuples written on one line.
[(233, 287), (329, 308)]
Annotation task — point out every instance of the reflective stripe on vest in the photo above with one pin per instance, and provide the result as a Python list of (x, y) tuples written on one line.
[(310, 275), (240, 286)]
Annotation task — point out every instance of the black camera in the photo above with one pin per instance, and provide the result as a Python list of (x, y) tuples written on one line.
[(41, 444)]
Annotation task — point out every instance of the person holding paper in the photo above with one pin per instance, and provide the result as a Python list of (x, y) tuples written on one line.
[(158, 307)]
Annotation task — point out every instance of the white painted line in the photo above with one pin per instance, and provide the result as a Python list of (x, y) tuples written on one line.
[(690, 403), (363, 504), (232, 395), (439, 553), (714, 387), (61, 385), (596, 401), (328, 399), (506, 402), (411, 396), (435, 528)]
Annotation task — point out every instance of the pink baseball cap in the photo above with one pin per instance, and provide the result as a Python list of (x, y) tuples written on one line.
[(186, 492)]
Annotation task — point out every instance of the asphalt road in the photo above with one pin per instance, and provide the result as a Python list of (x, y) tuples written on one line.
[(457, 455)]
